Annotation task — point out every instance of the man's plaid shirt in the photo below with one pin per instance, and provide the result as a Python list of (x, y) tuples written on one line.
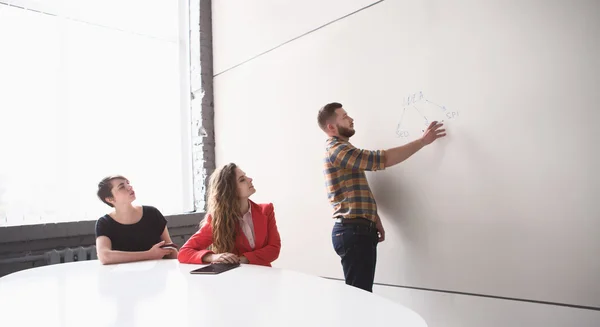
[(347, 186)]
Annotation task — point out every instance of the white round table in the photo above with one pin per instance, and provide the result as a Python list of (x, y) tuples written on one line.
[(164, 293)]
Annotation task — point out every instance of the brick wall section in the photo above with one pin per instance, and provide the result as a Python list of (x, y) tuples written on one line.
[(202, 103), (23, 241)]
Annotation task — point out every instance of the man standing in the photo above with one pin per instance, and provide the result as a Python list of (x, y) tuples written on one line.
[(358, 228)]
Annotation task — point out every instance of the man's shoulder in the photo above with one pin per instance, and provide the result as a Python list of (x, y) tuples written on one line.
[(335, 142)]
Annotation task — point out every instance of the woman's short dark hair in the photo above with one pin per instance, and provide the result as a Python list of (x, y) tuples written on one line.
[(105, 188)]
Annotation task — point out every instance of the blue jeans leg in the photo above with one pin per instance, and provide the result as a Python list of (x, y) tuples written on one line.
[(357, 247)]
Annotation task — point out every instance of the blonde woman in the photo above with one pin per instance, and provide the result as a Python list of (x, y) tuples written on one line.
[(238, 229)]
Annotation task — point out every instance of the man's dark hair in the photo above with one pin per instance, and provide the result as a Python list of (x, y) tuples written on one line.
[(105, 188), (326, 113)]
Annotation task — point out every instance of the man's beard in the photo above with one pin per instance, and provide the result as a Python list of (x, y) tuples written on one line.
[(345, 132)]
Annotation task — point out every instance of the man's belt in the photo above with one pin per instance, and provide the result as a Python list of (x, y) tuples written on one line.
[(358, 221)]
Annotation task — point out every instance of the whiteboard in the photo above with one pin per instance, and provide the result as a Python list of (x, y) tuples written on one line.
[(505, 205)]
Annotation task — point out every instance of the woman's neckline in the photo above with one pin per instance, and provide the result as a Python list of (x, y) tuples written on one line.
[(131, 224)]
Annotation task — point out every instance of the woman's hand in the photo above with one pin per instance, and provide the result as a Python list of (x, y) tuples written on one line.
[(173, 254), (223, 258), (156, 252)]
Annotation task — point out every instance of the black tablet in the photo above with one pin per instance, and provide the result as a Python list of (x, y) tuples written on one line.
[(215, 268)]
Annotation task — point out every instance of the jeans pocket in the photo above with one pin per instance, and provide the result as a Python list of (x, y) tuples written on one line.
[(337, 238), (343, 238)]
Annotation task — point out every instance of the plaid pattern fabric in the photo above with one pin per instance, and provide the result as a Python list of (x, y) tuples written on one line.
[(347, 186)]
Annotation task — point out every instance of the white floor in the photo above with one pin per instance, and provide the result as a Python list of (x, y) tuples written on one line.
[(452, 310)]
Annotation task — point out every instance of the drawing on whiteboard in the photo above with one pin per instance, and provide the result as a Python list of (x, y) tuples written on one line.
[(416, 107)]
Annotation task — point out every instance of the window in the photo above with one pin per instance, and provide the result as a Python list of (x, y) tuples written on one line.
[(90, 89)]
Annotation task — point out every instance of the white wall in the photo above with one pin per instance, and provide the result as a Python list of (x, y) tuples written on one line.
[(244, 29), (505, 205)]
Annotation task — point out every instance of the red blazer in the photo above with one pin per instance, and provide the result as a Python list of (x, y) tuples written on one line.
[(267, 242)]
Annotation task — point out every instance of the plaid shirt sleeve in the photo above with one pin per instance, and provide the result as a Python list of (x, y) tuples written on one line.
[(345, 156)]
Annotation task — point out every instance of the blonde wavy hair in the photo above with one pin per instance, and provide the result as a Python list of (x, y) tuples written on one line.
[(223, 206)]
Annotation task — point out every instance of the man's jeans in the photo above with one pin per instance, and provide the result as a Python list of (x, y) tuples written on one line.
[(356, 245)]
